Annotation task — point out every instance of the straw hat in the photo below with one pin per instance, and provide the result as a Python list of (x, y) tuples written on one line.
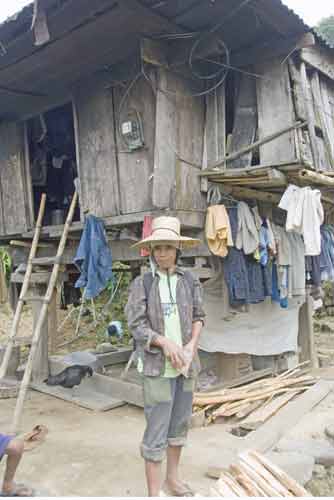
[(167, 230)]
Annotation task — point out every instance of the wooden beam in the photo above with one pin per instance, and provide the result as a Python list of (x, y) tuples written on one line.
[(252, 194), (285, 167), (316, 178), (319, 58), (153, 52)]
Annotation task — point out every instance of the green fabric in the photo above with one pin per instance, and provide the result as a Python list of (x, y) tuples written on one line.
[(171, 319), (171, 316)]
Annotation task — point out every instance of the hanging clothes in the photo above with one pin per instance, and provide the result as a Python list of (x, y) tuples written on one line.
[(327, 254), (218, 230), (305, 215), (313, 273), (93, 258), (247, 238), (297, 268), (234, 267)]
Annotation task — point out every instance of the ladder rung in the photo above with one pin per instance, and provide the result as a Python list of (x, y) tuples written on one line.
[(23, 340), (45, 261), (33, 298)]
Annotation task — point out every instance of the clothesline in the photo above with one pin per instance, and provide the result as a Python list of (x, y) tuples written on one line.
[(261, 258)]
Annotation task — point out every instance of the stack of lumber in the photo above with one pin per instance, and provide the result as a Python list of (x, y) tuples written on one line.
[(256, 476), (254, 403)]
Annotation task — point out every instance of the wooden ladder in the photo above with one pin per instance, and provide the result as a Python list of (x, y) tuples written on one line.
[(35, 339)]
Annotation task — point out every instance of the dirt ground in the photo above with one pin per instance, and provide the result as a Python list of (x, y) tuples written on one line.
[(97, 454)]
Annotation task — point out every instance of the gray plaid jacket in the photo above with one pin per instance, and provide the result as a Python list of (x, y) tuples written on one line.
[(145, 319)]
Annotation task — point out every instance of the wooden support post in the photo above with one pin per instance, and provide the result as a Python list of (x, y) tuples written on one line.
[(306, 339), (52, 322), (40, 369)]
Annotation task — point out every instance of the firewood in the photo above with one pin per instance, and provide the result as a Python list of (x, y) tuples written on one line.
[(267, 476), (248, 483), (250, 408), (224, 489), (288, 481), (249, 472), (277, 388), (250, 491), (258, 417), (233, 484)]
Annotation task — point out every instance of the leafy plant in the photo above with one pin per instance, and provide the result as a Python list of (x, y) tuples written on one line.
[(6, 262), (325, 28)]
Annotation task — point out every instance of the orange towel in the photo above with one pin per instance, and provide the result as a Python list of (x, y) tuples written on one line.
[(218, 230)]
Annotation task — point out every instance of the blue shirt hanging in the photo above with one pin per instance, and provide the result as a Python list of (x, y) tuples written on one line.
[(93, 258)]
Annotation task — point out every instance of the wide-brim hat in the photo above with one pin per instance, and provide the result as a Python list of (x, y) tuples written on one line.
[(167, 231)]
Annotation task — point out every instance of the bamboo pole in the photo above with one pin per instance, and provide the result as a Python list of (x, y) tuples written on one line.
[(42, 316), (24, 289), (316, 178), (260, 142)]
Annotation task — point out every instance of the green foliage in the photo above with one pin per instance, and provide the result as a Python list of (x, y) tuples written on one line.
[(111, 303), (325, 28), (6, 262)]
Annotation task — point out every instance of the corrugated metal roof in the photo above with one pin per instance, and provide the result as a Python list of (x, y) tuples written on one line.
[(193, 14), (53, 69)]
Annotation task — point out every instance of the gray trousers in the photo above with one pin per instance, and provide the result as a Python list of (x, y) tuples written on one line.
[(168, 410)]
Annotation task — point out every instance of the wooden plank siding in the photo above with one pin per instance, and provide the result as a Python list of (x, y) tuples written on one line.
[(179, 141), (275, 111), (245, 122), (136, 167), (14, 206), (327, 94), (96, 149)]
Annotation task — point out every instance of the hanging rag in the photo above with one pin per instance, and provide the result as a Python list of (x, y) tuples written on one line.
[(93, 258), (147, 231), (247, 234), (297, 268), (327, 254), (218, 230)]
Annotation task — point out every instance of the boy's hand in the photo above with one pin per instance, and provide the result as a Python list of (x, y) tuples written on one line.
[(172, 351)]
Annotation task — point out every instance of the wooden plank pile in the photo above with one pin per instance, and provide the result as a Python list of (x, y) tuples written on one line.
[(253, 404), (256, 476)]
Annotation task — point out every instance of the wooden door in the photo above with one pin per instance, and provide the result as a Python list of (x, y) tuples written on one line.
[(15, 186)]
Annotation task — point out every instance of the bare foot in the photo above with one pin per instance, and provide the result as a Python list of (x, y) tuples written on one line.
[(178, 488), (16, 490)]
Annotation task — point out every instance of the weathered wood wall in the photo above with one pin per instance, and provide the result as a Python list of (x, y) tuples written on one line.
[(14, 206), (179, 139), (96, 150), (136, 168), (275, 111)]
